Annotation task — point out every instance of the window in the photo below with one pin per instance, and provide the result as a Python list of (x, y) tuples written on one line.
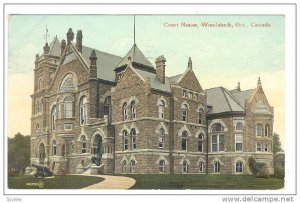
[(161, 166), (37, 128), (53, 147), (217, 143), (266, 147), (107, 109), (217, 127), (132, 166), (53, 118), (125, 139), (161, 138), (196, 96), (239, 126), (68, 126), (217, 167), (201, 166), (267, 130), (191, 95), (238, 142), (40, 107), (184, 140), (200, 114), (258, 147), (259, 129), (68, 107), (184, 112), (124, 112), (83, 144), (63, 150), (184, 93), (36, 106), (133, 138), (83, 110), (200, 142), (40, 84), (133, 110), (124, 166), (161, 109), (185, 167), (239, 167)]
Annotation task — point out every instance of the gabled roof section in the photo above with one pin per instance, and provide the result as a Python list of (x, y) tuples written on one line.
[(221, 101), (175, 78), (55, 47), (136, 56), (242, 96), (261, 108)]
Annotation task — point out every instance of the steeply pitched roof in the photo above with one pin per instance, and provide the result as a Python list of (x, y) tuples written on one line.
[(242, 96), (175, 78), (136, 56), (55, 47), (221, 101)]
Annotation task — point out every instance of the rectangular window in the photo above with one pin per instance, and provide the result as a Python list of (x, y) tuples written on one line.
[(68, 109), (133, 142), (266, 147), (161, 142), (68, 126), (200, 145), (217, 143), (184, 93), (258, 147), (238, 142), (191, 95)]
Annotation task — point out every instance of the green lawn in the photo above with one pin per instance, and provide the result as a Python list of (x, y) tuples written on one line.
[(58, 182), (189, 181)]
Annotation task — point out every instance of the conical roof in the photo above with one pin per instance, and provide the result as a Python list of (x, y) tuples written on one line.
[(137, 58)]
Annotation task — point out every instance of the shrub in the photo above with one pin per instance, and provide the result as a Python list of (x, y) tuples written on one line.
[(252, 165)]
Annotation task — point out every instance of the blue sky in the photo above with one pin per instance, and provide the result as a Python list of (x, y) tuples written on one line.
[(221, 56)]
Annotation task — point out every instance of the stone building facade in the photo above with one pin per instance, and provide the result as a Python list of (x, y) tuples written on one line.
[(124, 115)]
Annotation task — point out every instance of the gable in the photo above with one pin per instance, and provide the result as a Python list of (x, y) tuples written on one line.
[(258, 101), (190, 81)]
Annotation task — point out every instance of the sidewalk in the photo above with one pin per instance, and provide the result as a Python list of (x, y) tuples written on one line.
[(111, 182)]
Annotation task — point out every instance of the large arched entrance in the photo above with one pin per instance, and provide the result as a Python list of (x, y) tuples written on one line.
[(42, 154), (97, 149)]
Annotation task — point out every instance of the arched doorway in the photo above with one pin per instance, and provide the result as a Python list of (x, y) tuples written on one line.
[(97, 149), (42, 154)]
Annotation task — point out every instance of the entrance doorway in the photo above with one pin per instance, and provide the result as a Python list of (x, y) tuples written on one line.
[(97, 149)]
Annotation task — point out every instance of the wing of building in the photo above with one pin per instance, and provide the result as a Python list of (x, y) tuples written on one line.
[(95, 112)]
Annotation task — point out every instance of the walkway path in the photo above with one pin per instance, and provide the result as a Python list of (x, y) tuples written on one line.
[(111, 182)]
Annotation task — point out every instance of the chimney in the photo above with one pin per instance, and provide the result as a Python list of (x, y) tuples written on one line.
[(79, 41), (70, 36), (93, 65), (160, 68), (190, 63), (238, 87), (46, 49), (129, 61), (62, 46)]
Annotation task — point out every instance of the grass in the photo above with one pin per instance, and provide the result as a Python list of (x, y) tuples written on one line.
[(58, 182), (189, 181)]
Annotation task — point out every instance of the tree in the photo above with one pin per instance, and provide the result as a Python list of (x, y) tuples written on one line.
[(19, 152), (276, 143)]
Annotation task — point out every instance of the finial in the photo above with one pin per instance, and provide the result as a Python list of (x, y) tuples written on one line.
[(129, 60), (93, 58), (46, 35), (239, 86), (259, 82), (190, 63), (134, 29), (70, 36)]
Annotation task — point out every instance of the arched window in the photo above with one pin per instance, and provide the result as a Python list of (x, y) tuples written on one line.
[(185, 167), (83, 144), (40, 86), (184, 112), (53, 147), (267, 130), (201, 116), (53, 117), (37, 106), (107, 107), (201, 166), (217, 167), (259, 129), (124, 166), (125, 140), (161, 138), (133, 110), (184, 140), (217, 127), (37, 128), (161, 109), (161, 166), (239, 126), (132, 166), (200, 142), (124, 112), (40, 106), (68, 107), (133, 138), (239, 167), (83, 110), (63, 150)]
